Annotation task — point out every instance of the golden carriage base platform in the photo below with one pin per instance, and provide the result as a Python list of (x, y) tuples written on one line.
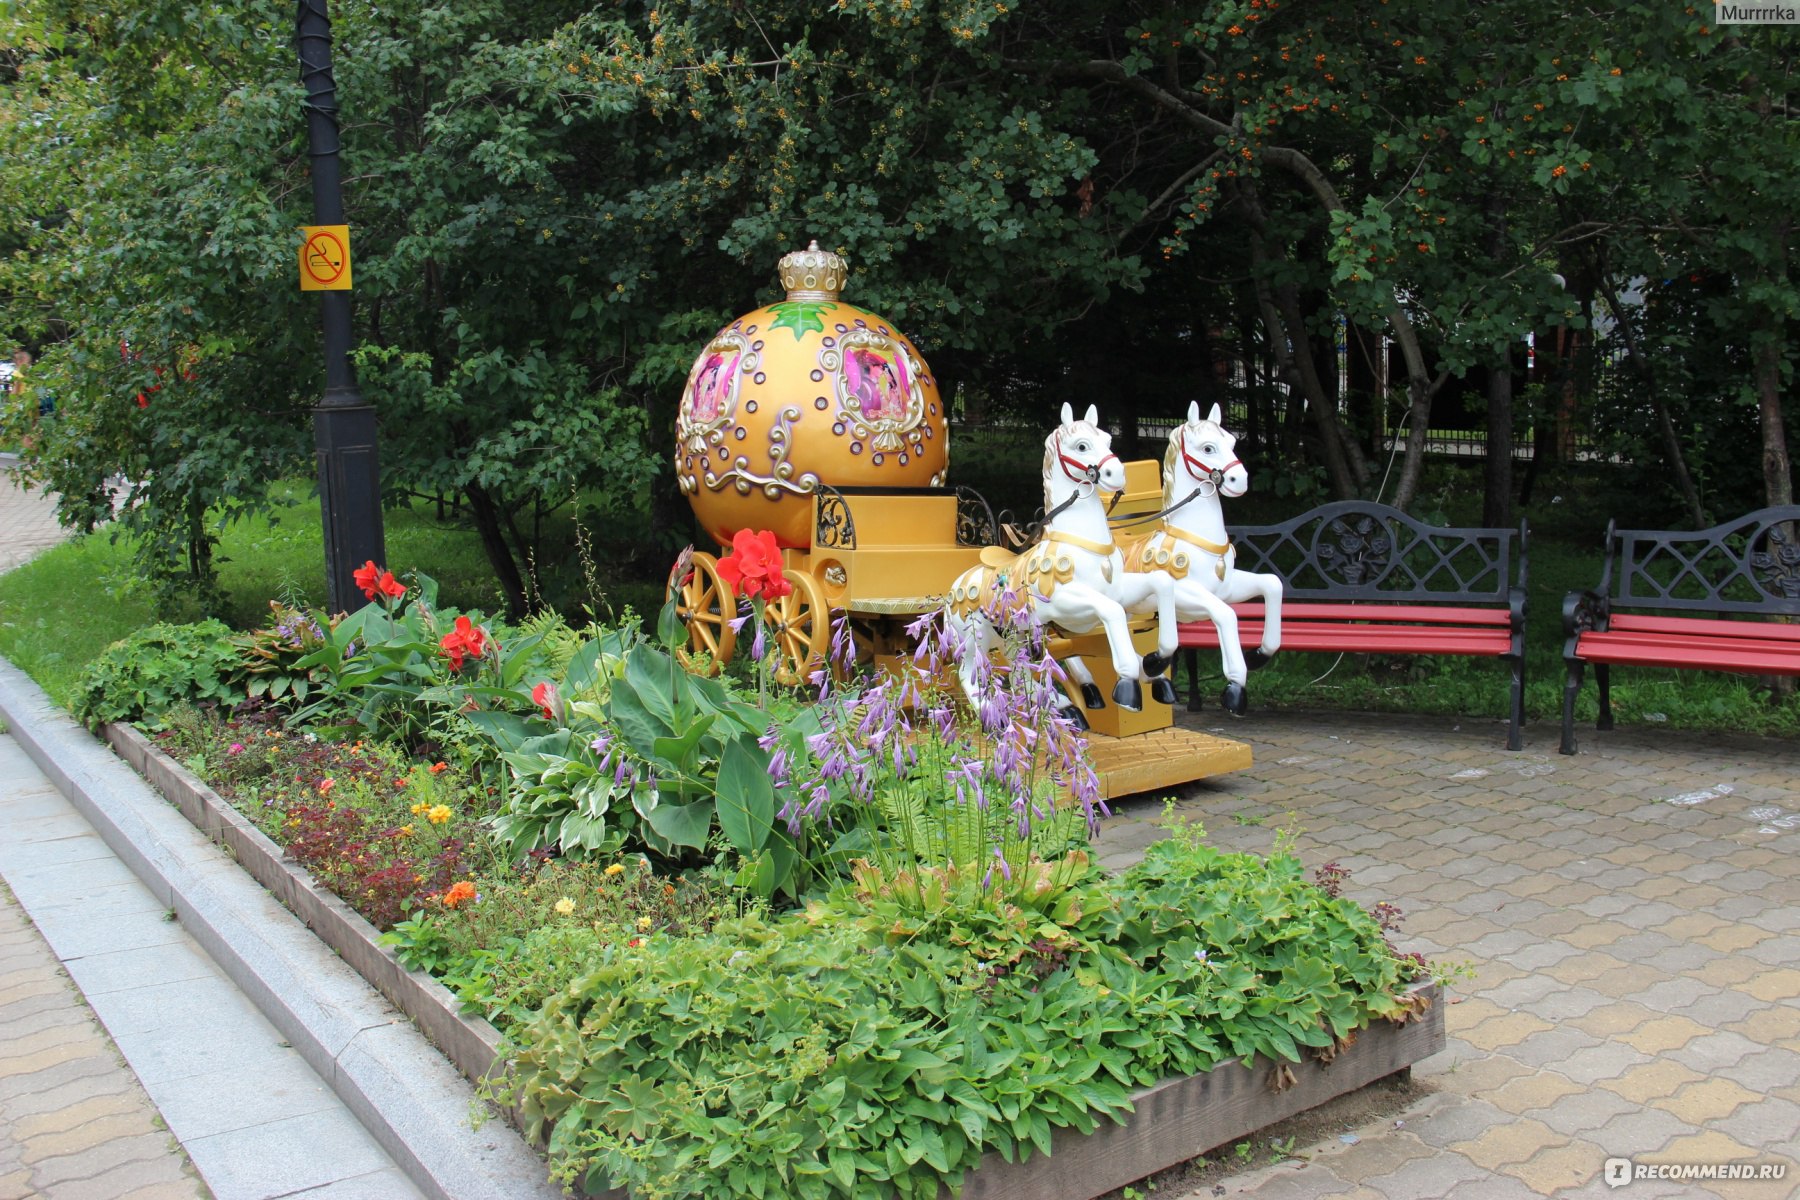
[(1135, 753)]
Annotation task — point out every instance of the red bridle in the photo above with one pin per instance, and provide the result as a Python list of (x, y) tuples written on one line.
[(1090, 472), (1199, 470)]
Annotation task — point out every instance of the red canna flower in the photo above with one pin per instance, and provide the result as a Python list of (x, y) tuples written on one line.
[(466, 639), (376, 582), (545, 697), (754, 566)]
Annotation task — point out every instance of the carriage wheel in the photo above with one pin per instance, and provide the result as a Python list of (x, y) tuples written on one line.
[(801, 625), (706, 605)]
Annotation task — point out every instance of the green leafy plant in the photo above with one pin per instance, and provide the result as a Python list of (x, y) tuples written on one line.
[(883, 1039), (653, 758), (273, 653), (146, 674)]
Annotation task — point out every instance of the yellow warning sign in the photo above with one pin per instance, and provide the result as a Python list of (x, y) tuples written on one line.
[(325, 258)]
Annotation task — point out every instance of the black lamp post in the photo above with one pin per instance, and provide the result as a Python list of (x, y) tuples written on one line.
[(343, 425)]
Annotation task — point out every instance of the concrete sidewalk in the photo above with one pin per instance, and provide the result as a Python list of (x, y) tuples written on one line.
[(208, 1079), (130, 1065)]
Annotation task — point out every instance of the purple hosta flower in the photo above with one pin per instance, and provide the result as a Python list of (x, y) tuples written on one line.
[(602, 743), (993, 711), (743, 618), (781, 766), (964, 775), (1005, 867), (943, 719), (622, 774), (817, 800), (759, 645), (842, 653)]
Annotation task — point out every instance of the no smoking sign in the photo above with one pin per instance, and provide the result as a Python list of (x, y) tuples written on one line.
[(325, 258)]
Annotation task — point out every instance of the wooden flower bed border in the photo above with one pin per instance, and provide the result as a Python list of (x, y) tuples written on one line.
[(1173, 1121)]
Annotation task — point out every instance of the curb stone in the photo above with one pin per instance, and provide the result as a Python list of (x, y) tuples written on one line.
[(404, 1091)]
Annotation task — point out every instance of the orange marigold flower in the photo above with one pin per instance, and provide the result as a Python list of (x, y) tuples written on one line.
[(438, 767), (460, 892)]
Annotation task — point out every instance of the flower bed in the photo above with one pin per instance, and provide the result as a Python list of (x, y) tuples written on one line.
[(828, 973)]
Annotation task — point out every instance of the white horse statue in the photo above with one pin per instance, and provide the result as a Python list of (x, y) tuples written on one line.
[(1073, 577), (1202, 465)]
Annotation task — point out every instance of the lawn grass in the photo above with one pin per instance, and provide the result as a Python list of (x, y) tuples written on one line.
[(280, 554)]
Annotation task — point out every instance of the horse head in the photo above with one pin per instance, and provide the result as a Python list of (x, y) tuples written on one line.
[(1202, 454), (1078, 455)]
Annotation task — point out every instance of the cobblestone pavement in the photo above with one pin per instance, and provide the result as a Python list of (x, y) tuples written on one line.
[(74, 1121), (1631, 917), (27, 518)]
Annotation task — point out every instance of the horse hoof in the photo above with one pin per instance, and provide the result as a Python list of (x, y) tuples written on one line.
[(1090, 696), (1162, 691), (1255, 659), (1234, 699), (1155, 664), (1128, 695), (1075, 717)]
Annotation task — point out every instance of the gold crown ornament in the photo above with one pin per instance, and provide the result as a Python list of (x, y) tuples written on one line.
[(813, 274)]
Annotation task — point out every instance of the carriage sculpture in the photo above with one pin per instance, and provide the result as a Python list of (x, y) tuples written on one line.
[(821, 423)]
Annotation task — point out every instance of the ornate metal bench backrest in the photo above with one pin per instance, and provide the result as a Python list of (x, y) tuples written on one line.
[(1750, 565), (1361, 550)]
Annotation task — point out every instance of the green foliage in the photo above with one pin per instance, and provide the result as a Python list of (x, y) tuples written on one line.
[(636, 752), (880, 1042), (153, 670), (537, 923)]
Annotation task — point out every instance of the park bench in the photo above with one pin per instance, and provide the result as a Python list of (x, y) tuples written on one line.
[(1363, 578), (1715, 599)]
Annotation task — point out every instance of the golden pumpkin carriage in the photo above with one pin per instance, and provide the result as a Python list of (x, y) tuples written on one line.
[(821, 423)]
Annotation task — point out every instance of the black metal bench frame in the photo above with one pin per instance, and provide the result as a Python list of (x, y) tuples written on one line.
[(1362, 577), (1729, 586)]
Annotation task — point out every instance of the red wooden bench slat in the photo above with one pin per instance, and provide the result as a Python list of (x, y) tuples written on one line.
[(1713, 654), (1358, 639), (1417, 614), (1720, 637), (1704, 626)]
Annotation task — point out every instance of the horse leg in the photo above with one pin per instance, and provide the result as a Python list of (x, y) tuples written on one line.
[(1269, 587), (1084, 679), (1128, 694), (1202, 602), (1135, 592)]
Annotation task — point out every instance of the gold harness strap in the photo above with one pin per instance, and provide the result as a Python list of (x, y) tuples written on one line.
[(1079, 543), (1210, 547)]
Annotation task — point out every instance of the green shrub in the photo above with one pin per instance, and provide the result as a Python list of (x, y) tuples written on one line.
[(143, 676), (882, 1041)]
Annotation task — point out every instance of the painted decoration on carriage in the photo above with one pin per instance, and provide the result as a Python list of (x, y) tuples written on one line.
[(807, 390)]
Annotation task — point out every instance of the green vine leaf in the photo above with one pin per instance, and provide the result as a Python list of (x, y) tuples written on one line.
[(800, 316)]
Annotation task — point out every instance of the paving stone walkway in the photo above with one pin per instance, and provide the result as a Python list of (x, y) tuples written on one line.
[(74, 1120), (1631, 917), (27, 518)]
